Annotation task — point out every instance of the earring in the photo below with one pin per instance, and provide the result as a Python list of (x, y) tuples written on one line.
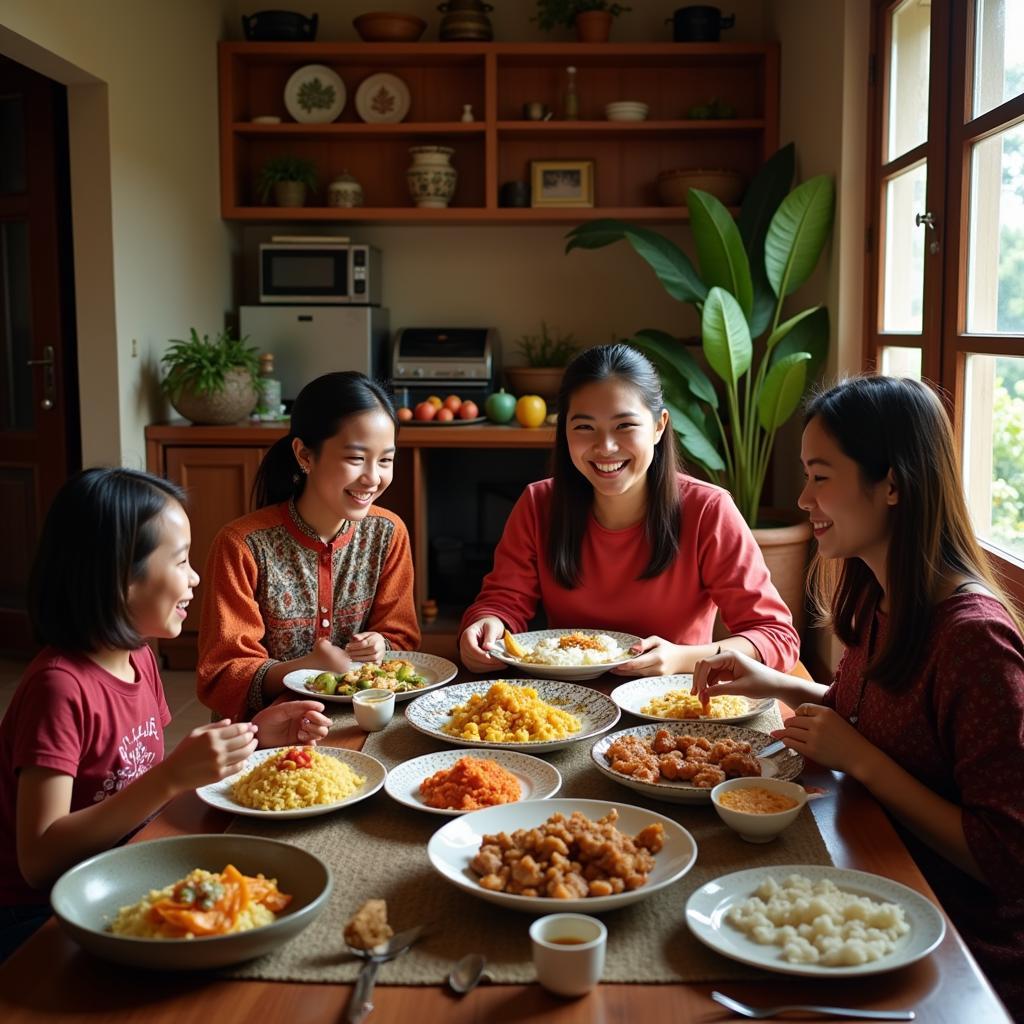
[(305, 470)]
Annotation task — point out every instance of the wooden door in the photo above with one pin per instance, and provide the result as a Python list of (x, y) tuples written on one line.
[(39, 431), (219, 482)]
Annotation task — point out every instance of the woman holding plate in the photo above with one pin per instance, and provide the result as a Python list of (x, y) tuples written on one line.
[(927, 705), (619, 539)]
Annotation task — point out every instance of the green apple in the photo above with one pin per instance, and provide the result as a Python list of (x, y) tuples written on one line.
[(500, 407)]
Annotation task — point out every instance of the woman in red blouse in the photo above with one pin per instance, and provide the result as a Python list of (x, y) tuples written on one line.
[(927, 705), (619, 539)]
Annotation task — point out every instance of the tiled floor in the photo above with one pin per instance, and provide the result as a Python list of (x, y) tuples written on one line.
[(180, 687)]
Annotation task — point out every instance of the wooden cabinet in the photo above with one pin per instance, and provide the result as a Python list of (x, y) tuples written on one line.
[(497, 79)]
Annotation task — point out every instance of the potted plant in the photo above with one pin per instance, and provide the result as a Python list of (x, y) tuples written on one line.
[(764, 364), (211, 382), (288, 177), (547, 355), (592, 18)]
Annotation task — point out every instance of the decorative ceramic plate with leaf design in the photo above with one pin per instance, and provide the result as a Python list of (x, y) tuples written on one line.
[(314, 94), (382, 99)]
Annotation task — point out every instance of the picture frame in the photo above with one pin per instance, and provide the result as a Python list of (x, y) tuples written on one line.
[(562, 182)]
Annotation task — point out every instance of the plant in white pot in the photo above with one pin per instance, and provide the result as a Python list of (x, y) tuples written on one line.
[(547, 354), (211, 382), (764, 364), (288, 178)]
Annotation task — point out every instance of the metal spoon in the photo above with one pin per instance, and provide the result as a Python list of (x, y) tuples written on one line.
[(467, 973), (359, 1005), (761, 1012)]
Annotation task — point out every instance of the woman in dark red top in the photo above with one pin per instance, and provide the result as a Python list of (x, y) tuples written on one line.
[(927, 706)]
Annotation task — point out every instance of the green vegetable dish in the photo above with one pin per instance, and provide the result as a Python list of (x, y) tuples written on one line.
[(398, 675)]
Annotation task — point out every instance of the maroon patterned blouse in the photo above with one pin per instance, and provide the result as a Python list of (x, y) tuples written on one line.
[(958, 727)]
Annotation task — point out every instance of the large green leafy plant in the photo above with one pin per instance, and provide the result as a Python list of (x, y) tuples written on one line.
[(748, 268), (200, 365)]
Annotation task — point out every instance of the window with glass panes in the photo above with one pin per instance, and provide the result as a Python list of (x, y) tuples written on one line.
[(945, 236)]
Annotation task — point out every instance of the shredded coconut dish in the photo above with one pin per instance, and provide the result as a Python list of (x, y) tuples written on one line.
[(573, 649), (681, 704), (203, 903), (297, 777), (818, 923), (510, 714), (470, 783)]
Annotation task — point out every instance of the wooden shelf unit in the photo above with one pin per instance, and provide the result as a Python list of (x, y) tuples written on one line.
[(497, 79)]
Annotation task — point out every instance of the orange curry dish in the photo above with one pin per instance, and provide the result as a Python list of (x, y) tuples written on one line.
[(470, 783)]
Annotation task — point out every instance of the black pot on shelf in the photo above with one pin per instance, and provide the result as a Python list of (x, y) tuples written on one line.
[(699, 23), (279, 27)]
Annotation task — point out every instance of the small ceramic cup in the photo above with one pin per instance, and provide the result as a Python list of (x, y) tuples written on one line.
[(534, 110), (568, 952), (373, 708)]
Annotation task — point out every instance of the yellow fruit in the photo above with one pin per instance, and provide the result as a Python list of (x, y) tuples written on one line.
[(435, 401), (531, 410), (512, 645)]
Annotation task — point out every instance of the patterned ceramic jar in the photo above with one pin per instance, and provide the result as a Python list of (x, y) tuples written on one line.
[(344, 190), (431, 176)]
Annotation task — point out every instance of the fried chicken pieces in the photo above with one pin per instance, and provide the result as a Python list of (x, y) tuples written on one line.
[(685, 758)]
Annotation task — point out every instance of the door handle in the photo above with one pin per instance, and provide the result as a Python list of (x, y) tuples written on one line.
[(49, 382)]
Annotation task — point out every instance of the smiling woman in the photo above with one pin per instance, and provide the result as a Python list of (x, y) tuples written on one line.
[(619, 539), (318, 577)]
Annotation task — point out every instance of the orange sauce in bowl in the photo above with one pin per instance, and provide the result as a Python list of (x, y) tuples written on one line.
[(755, 800)]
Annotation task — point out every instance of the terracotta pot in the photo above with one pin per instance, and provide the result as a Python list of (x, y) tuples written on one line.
[(535, 380), (593, 26), (786, 549), (237, 399), (290, 193)]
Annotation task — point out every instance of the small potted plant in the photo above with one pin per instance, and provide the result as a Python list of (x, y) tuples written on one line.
[(288, 177), (547, 354), (592, 18), (211, 382)]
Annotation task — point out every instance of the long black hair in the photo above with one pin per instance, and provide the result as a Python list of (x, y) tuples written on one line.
[(572, 494), (97, 536), (897, 425), (322, 406)]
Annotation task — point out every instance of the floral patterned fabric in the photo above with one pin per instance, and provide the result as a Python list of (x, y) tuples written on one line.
[(958, 727), (274, 588)]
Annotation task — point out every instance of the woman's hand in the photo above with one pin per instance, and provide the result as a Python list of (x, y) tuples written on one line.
[(476, 641), (328, 657), (291, 722), (733, 672), (209, 753), (655, 657), (827, 738), (366, 647)]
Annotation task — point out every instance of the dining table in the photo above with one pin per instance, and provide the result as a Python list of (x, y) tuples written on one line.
[(50, 978)]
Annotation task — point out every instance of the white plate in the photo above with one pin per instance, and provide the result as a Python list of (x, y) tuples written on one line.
[(382, 99), (596, 712), (438, 671), (537, 779), (218, 794), (707, 907), (783, 765), (632, 696), (562, 671), (314, 94), (454, 845)]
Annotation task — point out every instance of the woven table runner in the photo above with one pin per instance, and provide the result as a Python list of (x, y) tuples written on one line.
[(378, 849)]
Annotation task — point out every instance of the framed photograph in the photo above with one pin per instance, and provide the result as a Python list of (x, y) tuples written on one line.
[(562, 182)]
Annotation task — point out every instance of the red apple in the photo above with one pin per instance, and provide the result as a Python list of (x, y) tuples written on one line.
[(468, 411), (404, 414), (425, 411), (453, 402), (444, 414)]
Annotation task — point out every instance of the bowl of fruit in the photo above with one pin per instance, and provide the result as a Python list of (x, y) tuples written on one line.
[(434, 411)]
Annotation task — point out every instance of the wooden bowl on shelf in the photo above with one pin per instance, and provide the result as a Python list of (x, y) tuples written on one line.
[(389, 27), (725, 186)]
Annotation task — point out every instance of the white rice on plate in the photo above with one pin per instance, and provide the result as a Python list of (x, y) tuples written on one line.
[(563, 651)]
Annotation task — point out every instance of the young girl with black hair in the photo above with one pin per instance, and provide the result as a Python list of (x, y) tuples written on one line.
[(619, 539), (927, 705), (81, 745), (318, 576)]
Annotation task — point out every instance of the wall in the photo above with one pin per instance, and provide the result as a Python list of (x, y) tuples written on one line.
[(152, 256)]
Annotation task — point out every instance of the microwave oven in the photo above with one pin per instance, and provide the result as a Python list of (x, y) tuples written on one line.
[(319, 273)]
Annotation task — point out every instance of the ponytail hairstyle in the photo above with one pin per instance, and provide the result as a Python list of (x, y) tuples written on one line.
[(322, 406), (96, 539), (572, 494), (893, 424)]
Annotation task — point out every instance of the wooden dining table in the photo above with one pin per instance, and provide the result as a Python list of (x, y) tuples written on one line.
[(51, 979)]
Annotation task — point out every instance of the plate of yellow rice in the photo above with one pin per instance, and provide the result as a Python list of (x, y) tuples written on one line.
[(536, 715), (668, 698), (296, 782)]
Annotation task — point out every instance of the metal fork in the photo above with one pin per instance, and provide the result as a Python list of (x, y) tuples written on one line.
[(761, 1012)]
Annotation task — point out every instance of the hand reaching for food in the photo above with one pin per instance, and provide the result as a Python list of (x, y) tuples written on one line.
[(476, 642), (366, 647), (291, 721)]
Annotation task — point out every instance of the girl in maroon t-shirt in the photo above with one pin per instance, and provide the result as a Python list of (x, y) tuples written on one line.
[(927, 706), (81, 746)]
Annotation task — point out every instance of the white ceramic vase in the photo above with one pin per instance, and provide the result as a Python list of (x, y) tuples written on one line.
[(431, 176)]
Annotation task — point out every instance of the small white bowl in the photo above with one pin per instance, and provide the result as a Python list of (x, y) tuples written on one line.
[(373, 708), (626, 110), (759, 828)]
